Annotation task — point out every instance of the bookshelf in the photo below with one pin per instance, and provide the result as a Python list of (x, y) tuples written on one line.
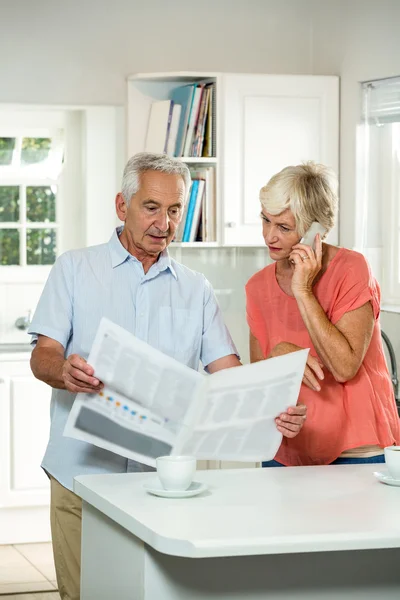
[(262, 124), (146, 88)]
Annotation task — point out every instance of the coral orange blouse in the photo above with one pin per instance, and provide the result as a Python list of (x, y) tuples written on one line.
[(341, 416)]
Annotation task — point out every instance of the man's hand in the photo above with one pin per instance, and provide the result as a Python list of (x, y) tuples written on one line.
[(78, 376), (313, 371), (291, 422)]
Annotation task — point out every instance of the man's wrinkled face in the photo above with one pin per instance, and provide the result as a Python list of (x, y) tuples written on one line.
[(154, 211)]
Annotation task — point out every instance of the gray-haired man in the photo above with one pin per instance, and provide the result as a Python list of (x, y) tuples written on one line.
[(132, 281)]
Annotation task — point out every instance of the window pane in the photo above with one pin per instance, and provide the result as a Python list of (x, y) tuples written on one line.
[(9, 247), (41, 204), (9, 203), (41, 246), (35, 150), (6, 150)]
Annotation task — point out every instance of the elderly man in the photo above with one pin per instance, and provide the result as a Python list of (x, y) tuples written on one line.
[(133, 281)]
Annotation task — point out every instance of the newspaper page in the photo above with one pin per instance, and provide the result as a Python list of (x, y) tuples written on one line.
[(147, 403), (237, 417), (152, 405)]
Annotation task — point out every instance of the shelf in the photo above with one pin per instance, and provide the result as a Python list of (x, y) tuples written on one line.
[(194, 245), (197, 160), (177, 76)]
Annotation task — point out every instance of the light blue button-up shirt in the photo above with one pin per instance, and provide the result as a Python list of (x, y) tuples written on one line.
[(170, 307)]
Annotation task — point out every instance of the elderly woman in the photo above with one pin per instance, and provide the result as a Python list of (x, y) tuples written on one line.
[(326, 300)]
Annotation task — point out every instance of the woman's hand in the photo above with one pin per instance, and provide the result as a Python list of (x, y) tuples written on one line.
[(313, 372), (306, 265), (291, 422)]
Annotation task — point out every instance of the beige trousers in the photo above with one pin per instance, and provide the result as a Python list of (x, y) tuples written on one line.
[(66, 523)]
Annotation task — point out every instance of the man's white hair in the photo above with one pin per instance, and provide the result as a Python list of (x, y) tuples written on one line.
[(147, 161)]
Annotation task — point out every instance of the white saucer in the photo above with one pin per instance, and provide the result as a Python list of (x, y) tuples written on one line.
[(154, 487), (386, 478)]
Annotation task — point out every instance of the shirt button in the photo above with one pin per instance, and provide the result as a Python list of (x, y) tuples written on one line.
[(141, 314)]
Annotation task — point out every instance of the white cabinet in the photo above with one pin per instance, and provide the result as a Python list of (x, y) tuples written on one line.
[(263, 123), (270, 122), (24, 432)]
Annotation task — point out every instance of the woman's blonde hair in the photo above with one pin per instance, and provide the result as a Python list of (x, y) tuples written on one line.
[(308, 190)]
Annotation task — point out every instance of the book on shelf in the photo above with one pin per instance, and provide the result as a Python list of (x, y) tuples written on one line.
[(198, 221), (194, 225), (182, 95), (199, 131), (208, 214), (173, 129), (158, 126), (194, 113), (190, 212), (179, 230), (198, 123), (163, 126), (207, 149), (184, 125)]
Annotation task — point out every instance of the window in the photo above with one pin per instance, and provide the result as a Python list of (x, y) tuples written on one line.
[(378, 201), (30, 165)]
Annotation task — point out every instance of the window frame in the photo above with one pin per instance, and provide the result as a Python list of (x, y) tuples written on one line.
[(22, 225), (35, 175), (391, 220), (378, 189)]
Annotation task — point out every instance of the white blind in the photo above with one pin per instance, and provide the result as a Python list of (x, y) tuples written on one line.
[(381, 101)]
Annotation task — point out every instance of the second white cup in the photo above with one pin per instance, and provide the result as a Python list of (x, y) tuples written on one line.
[(392, 460), (176, 472)]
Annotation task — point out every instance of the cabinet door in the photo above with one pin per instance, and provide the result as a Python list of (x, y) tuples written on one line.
[(24, 424), (30, 424), (270, 122)]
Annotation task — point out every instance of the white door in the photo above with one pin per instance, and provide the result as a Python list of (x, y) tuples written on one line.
[(270, 122)]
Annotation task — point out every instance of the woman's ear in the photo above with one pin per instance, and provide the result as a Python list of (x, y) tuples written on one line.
[(121, 207)]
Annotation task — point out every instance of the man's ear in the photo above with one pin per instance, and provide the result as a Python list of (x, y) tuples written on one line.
[(121, 207)]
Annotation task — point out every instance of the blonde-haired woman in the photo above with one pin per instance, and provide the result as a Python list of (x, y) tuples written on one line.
[(326, 300)]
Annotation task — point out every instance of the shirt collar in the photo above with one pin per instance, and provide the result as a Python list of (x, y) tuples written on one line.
[(119, 254)]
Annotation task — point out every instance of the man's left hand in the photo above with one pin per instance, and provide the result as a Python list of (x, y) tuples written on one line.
[(291, 422)]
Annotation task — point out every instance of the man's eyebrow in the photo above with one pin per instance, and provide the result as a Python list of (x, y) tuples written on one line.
[(179, 203)]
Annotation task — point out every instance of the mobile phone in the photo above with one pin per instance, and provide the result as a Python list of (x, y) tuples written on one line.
[(309, 237)]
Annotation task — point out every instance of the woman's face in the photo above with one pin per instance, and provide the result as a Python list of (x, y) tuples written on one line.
[(279, 232)]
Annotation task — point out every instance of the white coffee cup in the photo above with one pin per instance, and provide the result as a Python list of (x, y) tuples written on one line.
[(392, 459), (176, 472)]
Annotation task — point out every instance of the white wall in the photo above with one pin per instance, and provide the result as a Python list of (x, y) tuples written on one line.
[(80, 51), (89, 47), (358, 40)]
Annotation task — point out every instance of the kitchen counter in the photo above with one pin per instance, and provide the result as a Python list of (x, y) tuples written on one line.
[(260, 533), (9, 352)]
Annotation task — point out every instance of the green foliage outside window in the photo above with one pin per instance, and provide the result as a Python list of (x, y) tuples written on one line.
[(41, 243), (41, 246), (9, 247), (9, 203), (35, 150), (6, 150), (40, 204)]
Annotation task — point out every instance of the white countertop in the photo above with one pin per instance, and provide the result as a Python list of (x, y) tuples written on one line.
[(256, 511), (12, 352)]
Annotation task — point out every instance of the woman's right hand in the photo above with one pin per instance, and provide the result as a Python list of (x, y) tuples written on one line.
[(78, 376), (313, 372)]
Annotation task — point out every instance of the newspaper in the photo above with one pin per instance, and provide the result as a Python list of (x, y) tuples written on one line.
[(152, 405)]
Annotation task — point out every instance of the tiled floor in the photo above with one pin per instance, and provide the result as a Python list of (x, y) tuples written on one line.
[(27, 568)]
